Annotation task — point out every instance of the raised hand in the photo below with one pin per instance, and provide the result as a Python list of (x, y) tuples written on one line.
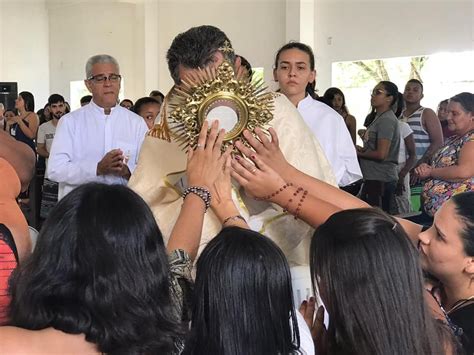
[(315, 324), (258, 179), (206, 163), (268, 151)]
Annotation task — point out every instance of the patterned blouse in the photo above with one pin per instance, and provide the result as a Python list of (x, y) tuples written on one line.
[(437, 191), (181, 284)]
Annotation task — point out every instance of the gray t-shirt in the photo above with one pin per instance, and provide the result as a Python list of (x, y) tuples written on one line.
[(384, 126)]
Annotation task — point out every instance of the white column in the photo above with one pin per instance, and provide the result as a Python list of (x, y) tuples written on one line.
[(151, 49)]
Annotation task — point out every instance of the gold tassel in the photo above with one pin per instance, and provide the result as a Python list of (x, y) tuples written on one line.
[(161, 130)]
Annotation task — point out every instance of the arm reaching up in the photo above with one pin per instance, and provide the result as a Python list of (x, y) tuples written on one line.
[(204, 164), (269, 172)]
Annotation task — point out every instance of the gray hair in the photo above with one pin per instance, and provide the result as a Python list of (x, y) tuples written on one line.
[(2, 107), (100, 58)]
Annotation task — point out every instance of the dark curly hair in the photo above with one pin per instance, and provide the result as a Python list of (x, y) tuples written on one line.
[(99, 268), (195, 49)]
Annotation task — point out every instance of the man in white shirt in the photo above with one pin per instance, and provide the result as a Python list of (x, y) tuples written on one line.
[(330, 129), (100, 141)]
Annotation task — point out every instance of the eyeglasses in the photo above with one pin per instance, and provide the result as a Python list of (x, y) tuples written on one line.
[(378, 92), (101, 78)]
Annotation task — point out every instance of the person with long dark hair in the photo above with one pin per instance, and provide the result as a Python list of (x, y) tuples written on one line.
[(338, 102), (25, 125), (369, 277), (243, 300), (446, 247), (295, 73), (99, 279), (378, 157)]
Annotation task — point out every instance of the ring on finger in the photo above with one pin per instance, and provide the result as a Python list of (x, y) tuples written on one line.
[(199, 145)]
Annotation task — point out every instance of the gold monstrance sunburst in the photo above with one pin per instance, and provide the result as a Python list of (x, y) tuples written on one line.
[(210, 94)]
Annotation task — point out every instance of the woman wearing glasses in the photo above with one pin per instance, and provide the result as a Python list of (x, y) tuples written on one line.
[(378, 158)]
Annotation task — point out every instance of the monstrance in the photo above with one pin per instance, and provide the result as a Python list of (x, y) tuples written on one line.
[(215, 93)]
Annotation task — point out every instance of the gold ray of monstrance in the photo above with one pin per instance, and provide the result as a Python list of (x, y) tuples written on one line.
[(215, 93)]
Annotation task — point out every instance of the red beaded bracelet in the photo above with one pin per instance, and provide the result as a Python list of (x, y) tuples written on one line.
[(275, 193)]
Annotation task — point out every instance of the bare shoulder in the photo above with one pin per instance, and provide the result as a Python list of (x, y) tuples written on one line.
[(46, 341), (350, 120), (429, 114)]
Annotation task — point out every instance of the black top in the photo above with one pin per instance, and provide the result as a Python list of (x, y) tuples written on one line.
[(19, 135), (464, 318)]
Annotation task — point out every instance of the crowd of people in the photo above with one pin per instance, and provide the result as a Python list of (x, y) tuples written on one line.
[(128, 216)]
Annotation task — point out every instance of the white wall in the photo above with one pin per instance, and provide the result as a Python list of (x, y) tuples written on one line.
[(78, 30), (24, 54), (380, 29), (255, 28), (45, 47)]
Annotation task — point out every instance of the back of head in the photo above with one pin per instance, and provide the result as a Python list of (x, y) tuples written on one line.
[(55, 98), (29, 100), (195, 49), (466, 100), (99, 268), (157, 95), (85, 99), (243, 298), (370, 280)]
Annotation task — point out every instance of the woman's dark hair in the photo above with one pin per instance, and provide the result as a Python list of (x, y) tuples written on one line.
[(392, 90), (443, 102), (29, 100), (99, 268), (126, 100), (143, 101), (311, 87), (400, 105), (370, 280), (329, 96), (243, 300), (466, 100), (464, 206)]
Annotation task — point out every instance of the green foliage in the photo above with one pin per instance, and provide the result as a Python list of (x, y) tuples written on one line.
[(367, 73)]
